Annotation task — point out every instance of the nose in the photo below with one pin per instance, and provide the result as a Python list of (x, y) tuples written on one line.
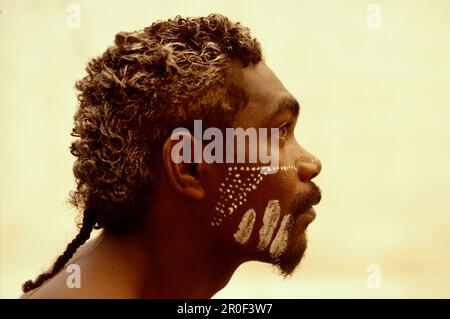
[(308, 166)]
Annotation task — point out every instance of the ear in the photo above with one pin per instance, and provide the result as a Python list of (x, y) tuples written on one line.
[(184, 175)]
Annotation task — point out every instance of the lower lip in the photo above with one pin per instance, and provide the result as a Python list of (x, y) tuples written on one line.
[(307, 216)]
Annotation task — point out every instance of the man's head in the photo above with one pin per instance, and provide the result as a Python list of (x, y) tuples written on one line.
[(137, 92), (151, 82), (254, 211)]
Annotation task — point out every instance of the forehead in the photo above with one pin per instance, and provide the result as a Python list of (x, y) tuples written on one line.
[(264, 90)]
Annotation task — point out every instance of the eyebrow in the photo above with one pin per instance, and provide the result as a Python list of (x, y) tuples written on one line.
[(287, 104)]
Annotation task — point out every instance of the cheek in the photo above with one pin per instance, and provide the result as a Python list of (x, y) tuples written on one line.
[(245, 186), (272, 235), (234, 191), (249, 204), (245, 228), (269, 223), (279, 243), (265, 227)]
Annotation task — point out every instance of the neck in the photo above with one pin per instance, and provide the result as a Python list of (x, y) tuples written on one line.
[(184, 260), (172, 258)]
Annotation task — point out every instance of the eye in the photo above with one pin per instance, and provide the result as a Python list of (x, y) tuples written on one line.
[(284, 129)]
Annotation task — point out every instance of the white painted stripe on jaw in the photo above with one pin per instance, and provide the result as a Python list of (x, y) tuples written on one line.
[(270, 221), (279, 243), (245, 227)]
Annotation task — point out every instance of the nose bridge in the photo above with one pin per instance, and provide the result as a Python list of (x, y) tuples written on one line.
[(308, 165)]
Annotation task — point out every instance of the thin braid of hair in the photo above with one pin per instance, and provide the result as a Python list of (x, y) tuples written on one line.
[(88, 224)]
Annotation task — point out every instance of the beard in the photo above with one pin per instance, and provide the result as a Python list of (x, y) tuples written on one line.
[(288, 262), (296, 246)]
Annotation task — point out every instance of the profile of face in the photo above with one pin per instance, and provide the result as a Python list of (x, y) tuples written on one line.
[(259, 211)]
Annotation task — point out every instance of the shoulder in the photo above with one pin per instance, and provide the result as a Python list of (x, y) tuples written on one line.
[(54, 288)]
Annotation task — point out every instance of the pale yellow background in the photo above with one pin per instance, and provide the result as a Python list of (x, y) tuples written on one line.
[(375, 110)]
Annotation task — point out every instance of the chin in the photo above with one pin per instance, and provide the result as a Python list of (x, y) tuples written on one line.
[(288, 262)]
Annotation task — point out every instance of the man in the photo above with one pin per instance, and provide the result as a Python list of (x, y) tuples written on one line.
[(173, 224)]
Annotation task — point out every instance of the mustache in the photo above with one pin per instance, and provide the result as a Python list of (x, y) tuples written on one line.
[(304, 200)]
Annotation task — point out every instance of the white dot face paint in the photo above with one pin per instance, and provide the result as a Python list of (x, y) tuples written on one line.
[(280, 241), (245, 229), (240, 181), (270, 220)]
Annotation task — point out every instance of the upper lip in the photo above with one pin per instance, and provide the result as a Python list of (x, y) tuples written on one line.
[(313, 199), (313, 203)]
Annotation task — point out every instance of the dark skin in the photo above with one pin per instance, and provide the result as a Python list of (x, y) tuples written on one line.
[(175, 252)]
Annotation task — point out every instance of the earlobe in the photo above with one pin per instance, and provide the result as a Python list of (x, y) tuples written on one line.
[(184, 176)]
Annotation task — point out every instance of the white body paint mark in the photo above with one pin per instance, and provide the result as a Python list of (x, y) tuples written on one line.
[(279, 243), (270, 221), (238, 184), (245, 227)]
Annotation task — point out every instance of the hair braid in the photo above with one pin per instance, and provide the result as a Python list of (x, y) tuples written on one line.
[(83, 235)]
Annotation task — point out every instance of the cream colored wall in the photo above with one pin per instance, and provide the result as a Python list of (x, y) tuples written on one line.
[(375, 110)]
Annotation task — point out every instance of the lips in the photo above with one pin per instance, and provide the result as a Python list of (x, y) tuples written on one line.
[(316, 196), (303, 205), (310, 214), (309, 210)]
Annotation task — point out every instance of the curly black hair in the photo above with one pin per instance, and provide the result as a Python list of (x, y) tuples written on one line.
[(141, 88)]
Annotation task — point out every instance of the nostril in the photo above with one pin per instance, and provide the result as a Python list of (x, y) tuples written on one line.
[(308, 168)]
